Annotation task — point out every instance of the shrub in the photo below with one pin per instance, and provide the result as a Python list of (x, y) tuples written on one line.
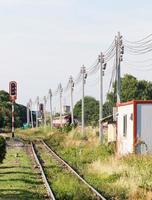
[(2, 149), (67, 128)]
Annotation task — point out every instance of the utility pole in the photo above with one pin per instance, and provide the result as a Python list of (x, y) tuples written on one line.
[(101, 74), (84, 76), (60, 91), (119, 58), (37, 112), (27, 114), (51, 112), (30, 103), (45, 102), (71, 98)]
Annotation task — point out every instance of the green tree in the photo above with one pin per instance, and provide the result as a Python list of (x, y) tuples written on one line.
[(5, 112), (91, 110), (144, 90), (107, 108), (131, 88)]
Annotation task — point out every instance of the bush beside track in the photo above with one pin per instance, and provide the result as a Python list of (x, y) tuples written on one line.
[(2, 149)]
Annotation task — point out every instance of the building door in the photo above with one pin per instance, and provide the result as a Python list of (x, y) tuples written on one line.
[(144, 127)]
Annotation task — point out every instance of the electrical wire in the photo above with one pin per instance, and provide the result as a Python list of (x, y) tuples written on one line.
[(67, 87), (94, 64), (110, 47), (138, 61), (130, 52), (93, 70), (78, 79), (112, 75), (140, 65), (139, 68), (138, 41), (139, 47)]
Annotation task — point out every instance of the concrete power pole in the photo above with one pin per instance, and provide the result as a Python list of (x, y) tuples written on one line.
[(30, 103), (28, 113), (51, 111), (71, 98), (118, 73), (37, 112), (83, 72), (119, 59), (60, 91), (101, 73), (45, 102)]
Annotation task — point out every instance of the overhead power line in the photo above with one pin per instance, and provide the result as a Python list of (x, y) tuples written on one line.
[(138, 41)]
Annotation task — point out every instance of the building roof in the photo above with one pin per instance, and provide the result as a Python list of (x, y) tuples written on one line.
[(108, 118), (134, 102)]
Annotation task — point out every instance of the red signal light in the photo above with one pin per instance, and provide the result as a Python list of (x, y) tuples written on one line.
[(13, 90)]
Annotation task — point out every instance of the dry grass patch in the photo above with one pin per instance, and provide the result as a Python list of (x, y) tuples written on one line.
[(132, 173)]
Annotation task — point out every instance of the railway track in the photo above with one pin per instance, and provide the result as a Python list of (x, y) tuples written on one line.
[(49, 191), (64, 164)]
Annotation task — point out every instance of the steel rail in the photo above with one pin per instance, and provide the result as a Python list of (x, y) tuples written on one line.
[(49, 191), (73, 171)]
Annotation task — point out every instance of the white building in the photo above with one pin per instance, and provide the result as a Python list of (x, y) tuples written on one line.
[(134, 127)]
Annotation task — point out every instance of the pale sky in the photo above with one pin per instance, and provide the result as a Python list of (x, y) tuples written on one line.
[(43, 42)]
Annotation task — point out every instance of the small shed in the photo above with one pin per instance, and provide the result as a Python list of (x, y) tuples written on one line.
[(111, 132), (134, 127), (109, 127)]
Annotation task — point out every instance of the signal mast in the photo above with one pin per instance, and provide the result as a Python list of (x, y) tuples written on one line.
[(13, 97)]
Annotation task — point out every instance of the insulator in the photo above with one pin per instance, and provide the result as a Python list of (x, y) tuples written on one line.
[(122, 52), (103, 60), (104, 66), (121, 58), (99, 58), (103, 73), (120, 43), (85, 76), (83, 70)]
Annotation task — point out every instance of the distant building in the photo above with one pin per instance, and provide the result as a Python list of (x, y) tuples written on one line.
[(134, 127), (66, 109), (64, 120)]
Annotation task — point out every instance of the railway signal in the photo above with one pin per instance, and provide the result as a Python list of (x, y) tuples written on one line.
[(13, 90), (13, 97)]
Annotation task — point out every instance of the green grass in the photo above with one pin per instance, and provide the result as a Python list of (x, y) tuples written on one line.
[(126, 178), (18, 179), (64, 184), (32, 134)]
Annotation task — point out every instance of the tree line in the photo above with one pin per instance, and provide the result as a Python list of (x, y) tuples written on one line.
[(131, 88)]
